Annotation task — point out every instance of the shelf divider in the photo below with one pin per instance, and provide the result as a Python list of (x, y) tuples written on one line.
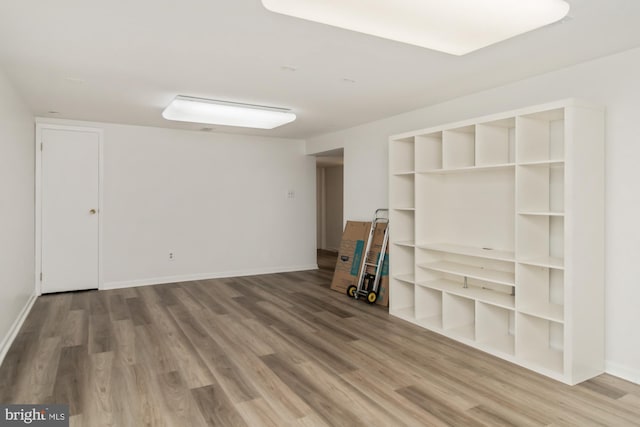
[(499, 277), (466, 169), (551, 312), (488, 296), (486, 253), (549, 262)]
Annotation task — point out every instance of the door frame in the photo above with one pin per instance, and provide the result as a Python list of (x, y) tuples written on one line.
[(40, 127)]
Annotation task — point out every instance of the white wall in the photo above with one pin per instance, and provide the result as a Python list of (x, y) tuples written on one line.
[(613, 82), (17, 277), (217, 201), (365, 170)]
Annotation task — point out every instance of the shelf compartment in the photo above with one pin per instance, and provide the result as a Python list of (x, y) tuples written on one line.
[(428, 307), (501, 298), (402, 299), (425, 257), (469, 251), (540, 188), (430, 205), (428, 151), (458, 316), (540, 342), (401, 155), (470, 210), (495, 328), (458, 147), (540, 136), (473, 272), (495, 142), (403, 192), (540, 237), (403, 224), (541, 292), (402, 263)]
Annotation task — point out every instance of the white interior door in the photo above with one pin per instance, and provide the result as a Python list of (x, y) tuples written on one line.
[(70, 195)]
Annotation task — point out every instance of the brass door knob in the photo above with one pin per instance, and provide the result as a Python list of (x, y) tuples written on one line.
[(92, 211)]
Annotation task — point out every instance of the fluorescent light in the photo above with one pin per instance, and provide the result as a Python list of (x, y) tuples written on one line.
[(452, 26), (200, 110)]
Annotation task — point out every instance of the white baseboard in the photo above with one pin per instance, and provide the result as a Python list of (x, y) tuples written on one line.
[(206, 276), (624, 372), (15, 328)]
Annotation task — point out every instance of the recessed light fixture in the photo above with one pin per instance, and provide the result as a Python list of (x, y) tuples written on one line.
[(452, 26), (214, 112)]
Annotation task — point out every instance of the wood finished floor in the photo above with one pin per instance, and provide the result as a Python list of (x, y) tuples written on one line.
[(327, 260), (276, 350)]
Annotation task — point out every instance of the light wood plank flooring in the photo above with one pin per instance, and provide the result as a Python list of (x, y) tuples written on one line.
[(276, 350)]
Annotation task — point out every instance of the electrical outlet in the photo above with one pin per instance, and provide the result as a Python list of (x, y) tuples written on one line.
[(291, 194), (172, 256)]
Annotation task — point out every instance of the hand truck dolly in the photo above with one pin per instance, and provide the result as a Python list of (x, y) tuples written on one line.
[(371, 269)]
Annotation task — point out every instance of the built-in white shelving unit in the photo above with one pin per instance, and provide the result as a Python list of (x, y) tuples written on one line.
[(498, 235)]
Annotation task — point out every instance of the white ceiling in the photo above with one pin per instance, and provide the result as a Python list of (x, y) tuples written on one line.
[(124, 60)]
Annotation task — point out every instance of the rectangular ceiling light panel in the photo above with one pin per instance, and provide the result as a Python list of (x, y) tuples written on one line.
[(209, 111), (452, 26)]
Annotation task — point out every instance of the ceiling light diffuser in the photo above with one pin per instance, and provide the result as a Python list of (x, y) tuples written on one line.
[(214, 112), (452, 26)]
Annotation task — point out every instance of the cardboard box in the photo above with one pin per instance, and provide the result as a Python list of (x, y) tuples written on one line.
[(350, 254)]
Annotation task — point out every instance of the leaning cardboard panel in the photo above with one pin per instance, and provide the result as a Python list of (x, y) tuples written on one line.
[(352, 246), (350, 255)]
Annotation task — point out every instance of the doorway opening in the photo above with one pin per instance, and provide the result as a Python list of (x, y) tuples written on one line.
[(330, 206)]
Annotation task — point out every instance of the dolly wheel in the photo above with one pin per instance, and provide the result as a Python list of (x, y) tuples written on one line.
[(372, 297), (351, 291)]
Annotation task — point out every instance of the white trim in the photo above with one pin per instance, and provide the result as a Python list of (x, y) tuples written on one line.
[(40, 126), (100, 205), (205, 276), (320, 198), (38, 210), (15, 328), (624, 372)]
